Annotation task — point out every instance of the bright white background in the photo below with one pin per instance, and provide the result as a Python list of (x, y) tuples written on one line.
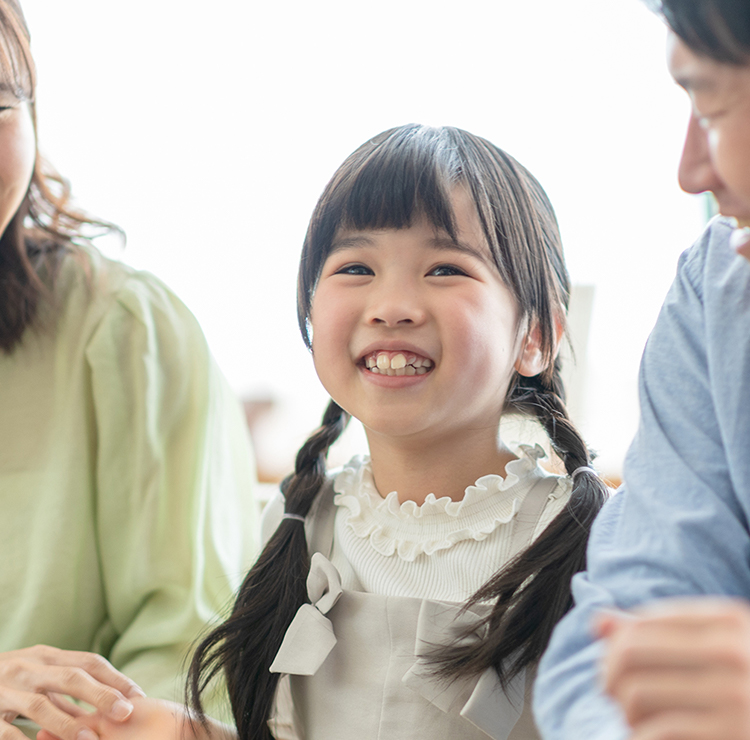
[(207, 130)]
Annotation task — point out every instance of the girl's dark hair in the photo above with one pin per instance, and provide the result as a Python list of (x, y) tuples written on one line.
[(400, 175), (45, 226), (719, 29)]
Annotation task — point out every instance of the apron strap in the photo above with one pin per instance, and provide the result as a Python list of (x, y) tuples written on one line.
[(529, 514), (319, 523)]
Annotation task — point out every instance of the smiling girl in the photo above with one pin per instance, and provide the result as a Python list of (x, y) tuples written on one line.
[(411, 593)]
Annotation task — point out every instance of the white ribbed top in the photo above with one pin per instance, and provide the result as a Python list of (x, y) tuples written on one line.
[(442, 549)]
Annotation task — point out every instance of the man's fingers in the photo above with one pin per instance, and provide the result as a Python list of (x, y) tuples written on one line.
[(703, 612), (607, 622), (645, 694), (688, 726), (695, 656)]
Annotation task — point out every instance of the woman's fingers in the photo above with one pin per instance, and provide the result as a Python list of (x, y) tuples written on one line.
[(86, 677), (94, 665), (25, 690), (35, 681), (8, 732), (40, 709), (66, 705), (76, 682)]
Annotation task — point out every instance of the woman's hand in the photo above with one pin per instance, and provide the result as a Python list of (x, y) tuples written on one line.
[(152, 719), (681, 670), (34, 682)]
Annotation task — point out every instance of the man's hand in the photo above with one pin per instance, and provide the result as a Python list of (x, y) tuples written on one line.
[(680, 670), (740, 239)]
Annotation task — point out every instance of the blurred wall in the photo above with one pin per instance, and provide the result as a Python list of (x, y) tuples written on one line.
[(207, 130)]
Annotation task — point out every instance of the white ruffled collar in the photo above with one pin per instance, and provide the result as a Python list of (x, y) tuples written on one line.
[(408, 529)]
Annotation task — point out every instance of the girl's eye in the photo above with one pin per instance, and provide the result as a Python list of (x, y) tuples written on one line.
[(355, 269), (446, 271)]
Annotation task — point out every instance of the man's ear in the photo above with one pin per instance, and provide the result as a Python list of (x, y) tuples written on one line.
[(530, 359)]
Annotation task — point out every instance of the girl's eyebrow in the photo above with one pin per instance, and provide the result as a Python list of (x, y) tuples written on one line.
[(441, 243), (447, 243), (350, 242)]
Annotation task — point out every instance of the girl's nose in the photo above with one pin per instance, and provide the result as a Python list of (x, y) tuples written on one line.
[(396, 304), (696, 172)]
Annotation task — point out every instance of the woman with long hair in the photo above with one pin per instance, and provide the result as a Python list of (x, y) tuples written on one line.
[(125, 472)]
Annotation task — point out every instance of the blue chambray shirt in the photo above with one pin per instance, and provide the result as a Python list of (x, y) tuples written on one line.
[(679, 525)]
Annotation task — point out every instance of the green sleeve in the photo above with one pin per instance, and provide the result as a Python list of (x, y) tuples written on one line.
[(174, 476)]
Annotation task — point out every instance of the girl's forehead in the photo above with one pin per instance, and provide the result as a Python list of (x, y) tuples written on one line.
[(465, 213), (421, 234), (458, 201)]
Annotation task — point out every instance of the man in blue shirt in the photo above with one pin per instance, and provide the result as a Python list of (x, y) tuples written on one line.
[(677, 537)]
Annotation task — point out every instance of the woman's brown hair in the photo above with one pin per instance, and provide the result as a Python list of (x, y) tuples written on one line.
[(400, 175), (45, 226)]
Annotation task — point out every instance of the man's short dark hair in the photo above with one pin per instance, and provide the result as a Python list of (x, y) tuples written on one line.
[(719, 29)]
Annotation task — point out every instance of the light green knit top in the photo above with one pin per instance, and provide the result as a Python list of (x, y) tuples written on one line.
[(126, 512)]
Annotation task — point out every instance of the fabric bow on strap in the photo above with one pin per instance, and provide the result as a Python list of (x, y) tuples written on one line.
[(309, 638), (481, 700)]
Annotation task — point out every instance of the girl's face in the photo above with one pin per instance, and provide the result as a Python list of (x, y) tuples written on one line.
[(716, 155), (415, 334), (17, 154)]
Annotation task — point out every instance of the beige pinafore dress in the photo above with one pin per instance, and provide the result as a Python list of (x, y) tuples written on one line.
[(354, 658)]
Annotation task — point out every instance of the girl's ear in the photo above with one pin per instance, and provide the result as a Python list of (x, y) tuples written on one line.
[(530, 359)]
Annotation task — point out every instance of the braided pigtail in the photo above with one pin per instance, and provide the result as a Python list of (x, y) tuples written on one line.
[(532, 593), (245, 645)]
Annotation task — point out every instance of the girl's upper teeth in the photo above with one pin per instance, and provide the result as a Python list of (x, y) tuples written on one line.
[(399, 363)]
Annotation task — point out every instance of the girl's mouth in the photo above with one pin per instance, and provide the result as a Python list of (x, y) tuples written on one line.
[(397, 363)]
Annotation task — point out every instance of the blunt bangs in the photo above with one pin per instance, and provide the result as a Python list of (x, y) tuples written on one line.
[(401, 176)]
